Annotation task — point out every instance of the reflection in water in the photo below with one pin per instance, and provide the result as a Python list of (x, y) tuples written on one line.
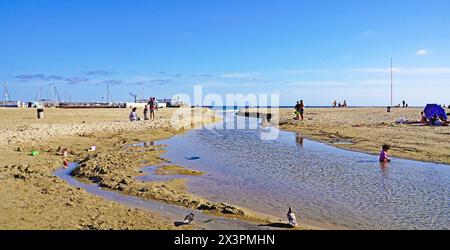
[(150, 175), (299, 139), (148, 144), (191, 158), (325, 184), (384, 169)]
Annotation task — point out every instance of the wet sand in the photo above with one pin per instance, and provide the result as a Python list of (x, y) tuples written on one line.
[(31, 197), (367, 129)]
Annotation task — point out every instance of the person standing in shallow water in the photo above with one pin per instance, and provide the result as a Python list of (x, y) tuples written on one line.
[(384, 156)]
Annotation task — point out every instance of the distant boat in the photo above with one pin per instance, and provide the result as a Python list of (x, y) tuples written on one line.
[(177, 103), (9, 104)]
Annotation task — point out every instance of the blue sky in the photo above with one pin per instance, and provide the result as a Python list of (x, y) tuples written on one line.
[(317, 51)]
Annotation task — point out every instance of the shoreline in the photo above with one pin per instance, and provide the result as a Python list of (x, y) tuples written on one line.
[(348, 128), (34, 175), (111, 169), (32, 197)]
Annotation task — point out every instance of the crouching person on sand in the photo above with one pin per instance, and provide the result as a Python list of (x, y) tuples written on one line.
[(133, 115)]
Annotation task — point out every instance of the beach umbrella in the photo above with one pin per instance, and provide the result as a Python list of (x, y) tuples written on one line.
[(434, 109)]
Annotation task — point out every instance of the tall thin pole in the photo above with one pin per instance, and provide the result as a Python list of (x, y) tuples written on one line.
[(392, 85), (107, 92), (41, 93)]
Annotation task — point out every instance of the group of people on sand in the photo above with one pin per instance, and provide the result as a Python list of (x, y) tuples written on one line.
[(299, 110), (149, 108), (405, 105), (433, 121), (340, 105)]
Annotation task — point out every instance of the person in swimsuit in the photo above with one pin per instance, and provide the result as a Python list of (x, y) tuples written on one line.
[(152, 106), (302, 109), (384, 156)]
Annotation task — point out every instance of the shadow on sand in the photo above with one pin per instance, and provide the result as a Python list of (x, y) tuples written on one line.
[(278, 225), (179, 223)]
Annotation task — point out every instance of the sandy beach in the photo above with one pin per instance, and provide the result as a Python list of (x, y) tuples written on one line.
[(33, 198), (367, 129)]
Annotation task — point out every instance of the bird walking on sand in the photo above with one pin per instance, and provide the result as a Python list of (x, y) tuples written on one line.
[(189, 218), (291, 218)]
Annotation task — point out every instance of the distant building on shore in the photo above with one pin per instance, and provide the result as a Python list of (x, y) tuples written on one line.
[(10, 104)]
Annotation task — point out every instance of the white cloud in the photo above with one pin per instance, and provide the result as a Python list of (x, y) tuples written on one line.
[(316, 83), (422, 52), (367, 33), (406, 71), (376, 82), (376, 70), (220, 84), (426, 71), (241, 76), (302, 71)]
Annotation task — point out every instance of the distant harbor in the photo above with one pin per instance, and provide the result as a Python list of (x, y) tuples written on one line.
[(162, 103)]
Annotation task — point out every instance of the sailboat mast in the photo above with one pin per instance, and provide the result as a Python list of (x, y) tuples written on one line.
[(6, 93), (107, 92)]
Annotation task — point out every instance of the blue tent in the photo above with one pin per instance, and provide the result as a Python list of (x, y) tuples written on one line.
[(434, 109)]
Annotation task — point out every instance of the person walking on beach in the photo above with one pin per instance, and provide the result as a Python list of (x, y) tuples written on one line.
[(301, 109), (345, 104), (404, 103), (153, 106), (334, 104)]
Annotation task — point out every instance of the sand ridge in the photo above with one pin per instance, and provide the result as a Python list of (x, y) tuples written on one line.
[(32, 197)]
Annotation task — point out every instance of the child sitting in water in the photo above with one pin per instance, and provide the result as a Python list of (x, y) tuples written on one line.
[(384, 157)]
